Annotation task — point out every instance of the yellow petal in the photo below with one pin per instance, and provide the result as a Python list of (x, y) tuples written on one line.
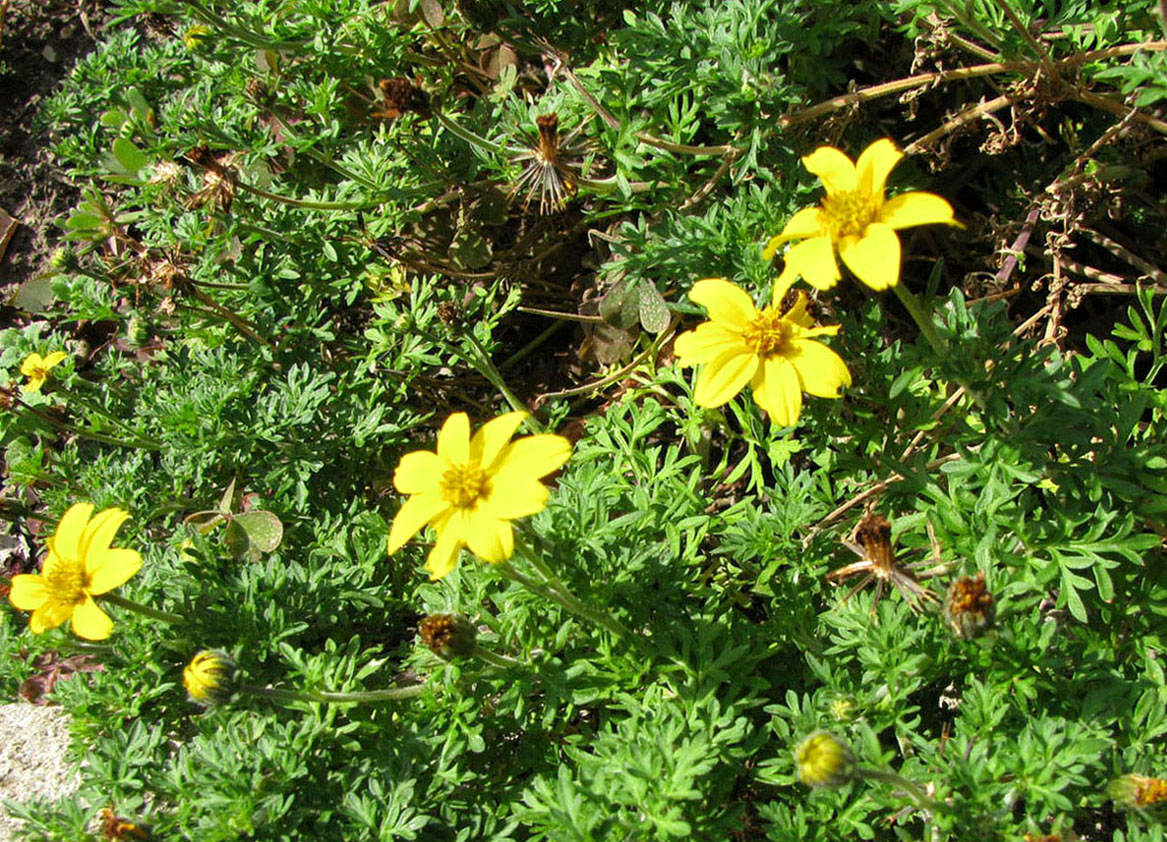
[(723, 377), (90, 622), (98, 534), (516, 496), (531, 456), (833, 168), (808, 222), (444, 555), (798, 314), (70, 531), (489, 538), (777, 391), (34, 383), (417, 472), (916, 208), (814, 259), (728, 304), (454, 439), (28, 592), (49, 616), (32, 364), (493, 436), (874, 165), (705, 342), (821, 372), (112, 568), (53, 360), (414, 513), (874, 257)]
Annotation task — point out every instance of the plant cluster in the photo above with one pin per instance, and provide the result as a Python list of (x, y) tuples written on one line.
[(333, 256)]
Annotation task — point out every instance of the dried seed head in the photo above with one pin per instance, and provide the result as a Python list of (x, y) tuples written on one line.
[(402, 97), (873, 534), (448, 635), (968, 608), (822, 760)]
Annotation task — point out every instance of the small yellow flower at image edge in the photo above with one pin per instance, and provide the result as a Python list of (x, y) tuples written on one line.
[(471, 488), (36, 368), (855, 219), (774, 350), (80, 564)]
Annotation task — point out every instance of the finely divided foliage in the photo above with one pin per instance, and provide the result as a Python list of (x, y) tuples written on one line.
[(383, 466)]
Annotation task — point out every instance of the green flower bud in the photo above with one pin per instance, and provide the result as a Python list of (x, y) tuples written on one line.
[(823, 760), (210, 677)]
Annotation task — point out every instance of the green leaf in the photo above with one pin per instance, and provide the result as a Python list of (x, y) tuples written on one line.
[(263, 528), (129, 156), (654, 313)]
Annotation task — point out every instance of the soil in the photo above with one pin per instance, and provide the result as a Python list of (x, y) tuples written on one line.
[(39, 42), (33, 742)]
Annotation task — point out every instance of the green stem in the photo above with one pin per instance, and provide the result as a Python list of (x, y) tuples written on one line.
[(312, 204), (552, 588), (467, 135), (245, 35), (913, 790), (392, 694), (72, 396), (496, 659), (129, 604), (489, 370), (922, 316), (92, 435)]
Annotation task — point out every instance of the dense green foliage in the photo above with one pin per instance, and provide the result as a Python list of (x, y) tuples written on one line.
[(268, 285)]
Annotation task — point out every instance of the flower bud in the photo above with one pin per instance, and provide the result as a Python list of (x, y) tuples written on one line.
[(448, 635), (1136, 792), (968, 608), (823, 760), (210, 677)]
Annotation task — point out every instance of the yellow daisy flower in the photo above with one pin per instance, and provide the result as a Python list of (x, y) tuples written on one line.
[(471, 488), (36, 368), (773, 350), (80, 565), (855, 220)]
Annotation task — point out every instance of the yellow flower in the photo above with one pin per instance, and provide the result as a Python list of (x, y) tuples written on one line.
[(36, 368), (80, 565), (773, 350), (1137, 792), (209, 678), (823, 760), (471, 488), (855, 219)]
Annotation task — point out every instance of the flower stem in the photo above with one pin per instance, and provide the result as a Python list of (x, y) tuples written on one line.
[(922, 316), (92, 435), (391, 694), (914, 792), (129, 604), (467, 135), (496, 659), (552, 588)]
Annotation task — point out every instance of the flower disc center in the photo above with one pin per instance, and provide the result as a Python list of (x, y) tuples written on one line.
[(66, 583), (768, 334), (849, 213), (464, 485)]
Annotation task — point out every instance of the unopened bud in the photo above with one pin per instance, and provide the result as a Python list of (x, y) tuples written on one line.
[(448, 635), (824, 761), (210, 677)]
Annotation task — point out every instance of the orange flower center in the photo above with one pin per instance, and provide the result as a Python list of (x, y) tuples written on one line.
[(464, 485), (1151, 791), (66, 583), (847, 214), (769, 334)]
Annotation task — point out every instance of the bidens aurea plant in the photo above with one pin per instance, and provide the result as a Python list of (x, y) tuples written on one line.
[(81, 564), (470, 489), (774, 350), (855, 219)]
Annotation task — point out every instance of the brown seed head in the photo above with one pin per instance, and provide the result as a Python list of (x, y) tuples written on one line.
[(448, 635), (968, 608), (402, 97)]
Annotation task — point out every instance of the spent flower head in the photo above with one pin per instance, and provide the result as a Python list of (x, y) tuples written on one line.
[(1138, 792), (822, 760), (471, 488), (36, 368), (210, 677), (774, 350), (80, 565), (968, 608), (448, 635), (855, 219)]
